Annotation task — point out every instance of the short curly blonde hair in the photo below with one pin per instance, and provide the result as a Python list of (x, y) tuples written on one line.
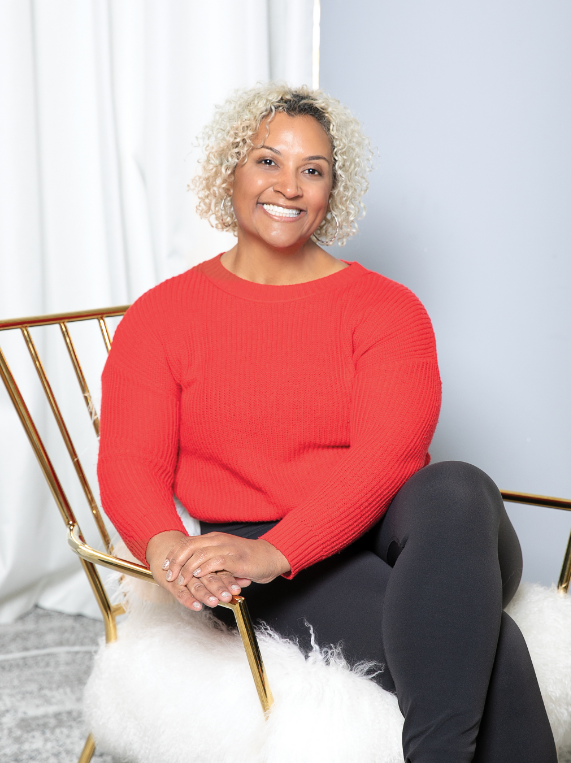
[(227, 140)]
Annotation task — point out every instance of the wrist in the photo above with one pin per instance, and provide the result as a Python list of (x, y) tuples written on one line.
[(282, 565)]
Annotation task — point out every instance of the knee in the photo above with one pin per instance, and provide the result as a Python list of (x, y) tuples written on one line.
[(456, 472), (455, 489)]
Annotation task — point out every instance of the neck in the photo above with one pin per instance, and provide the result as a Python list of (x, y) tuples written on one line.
[(279, 267)]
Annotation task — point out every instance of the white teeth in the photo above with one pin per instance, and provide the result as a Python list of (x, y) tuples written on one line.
[(281, 211)]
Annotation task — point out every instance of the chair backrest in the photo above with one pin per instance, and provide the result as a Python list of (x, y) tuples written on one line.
[(25, 326), (90, 557)]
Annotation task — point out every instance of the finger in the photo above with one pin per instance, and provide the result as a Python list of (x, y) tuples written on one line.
[(216, 585), (210, 590), (188, 545), (184, 597), (201, 593), (187, 548), (211, 560), (194, 551), (222, 584)]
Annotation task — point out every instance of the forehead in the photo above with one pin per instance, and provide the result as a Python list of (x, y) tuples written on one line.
[(299, 132)]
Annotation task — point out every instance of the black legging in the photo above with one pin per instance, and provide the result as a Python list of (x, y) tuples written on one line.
[(422, 592)]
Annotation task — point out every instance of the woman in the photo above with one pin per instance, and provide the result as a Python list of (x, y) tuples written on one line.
[(288, 398)]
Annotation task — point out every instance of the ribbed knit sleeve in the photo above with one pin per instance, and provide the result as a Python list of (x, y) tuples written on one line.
[(140, 417), (394, 411)]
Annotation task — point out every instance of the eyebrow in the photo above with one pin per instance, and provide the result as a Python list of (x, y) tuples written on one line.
[(307, 158)]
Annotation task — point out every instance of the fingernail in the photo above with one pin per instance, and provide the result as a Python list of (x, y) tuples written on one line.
[(197, 605), (212, 598), (225, 594), (169, 575), (235, 587), (196, 572), (166, 564), (180, 579)]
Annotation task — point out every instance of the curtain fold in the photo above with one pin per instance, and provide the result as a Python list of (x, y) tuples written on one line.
[(102, 100)]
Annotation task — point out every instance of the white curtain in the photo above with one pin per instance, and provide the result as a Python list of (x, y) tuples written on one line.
[(101, 101)]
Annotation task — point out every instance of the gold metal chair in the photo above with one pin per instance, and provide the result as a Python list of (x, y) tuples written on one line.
[(90, 557)]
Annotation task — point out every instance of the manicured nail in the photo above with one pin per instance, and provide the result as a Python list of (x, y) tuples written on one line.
[(212, 598), (180, 579), (235, 587), (226, 595), (169, 575), (166, 564), (196, 572), (197, 605)]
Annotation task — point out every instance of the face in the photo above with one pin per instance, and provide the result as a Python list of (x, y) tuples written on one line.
[(280, 195)]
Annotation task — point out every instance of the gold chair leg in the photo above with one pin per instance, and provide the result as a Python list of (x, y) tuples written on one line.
[(88, 750), (250, 642)]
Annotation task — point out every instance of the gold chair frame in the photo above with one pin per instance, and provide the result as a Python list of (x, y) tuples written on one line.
[(90, 557)]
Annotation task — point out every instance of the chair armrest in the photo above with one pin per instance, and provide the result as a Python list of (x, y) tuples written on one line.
[(237, 604), (548, 501), (106, 560), (133, 569)]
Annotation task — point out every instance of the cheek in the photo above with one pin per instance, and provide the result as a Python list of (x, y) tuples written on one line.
[(247, 188), (320, 199)]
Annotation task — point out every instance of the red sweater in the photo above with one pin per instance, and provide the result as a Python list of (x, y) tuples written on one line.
[(310, 403)]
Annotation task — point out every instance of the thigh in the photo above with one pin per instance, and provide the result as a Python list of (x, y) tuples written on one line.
[(338, 601), (451, 508)]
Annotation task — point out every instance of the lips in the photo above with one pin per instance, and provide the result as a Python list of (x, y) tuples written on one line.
[(284, 212)]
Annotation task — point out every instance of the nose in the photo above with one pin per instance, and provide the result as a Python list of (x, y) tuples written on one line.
[(287, 183)]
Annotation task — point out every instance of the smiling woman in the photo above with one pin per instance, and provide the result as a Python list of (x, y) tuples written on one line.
[(288, 399), (235, 131), (280, 197), (284, 168)]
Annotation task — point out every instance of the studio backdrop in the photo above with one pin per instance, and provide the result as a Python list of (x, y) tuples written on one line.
[(467, 105), (101, 103)]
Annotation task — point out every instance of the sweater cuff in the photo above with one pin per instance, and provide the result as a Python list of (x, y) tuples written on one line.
[(289, 548)]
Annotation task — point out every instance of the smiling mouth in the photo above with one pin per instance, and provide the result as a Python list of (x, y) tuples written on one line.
[(276, 211)]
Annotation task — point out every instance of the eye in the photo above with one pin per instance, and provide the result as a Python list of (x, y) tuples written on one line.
[(267, 162), (312, 171)]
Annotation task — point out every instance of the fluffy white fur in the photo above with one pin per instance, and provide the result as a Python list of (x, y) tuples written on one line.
[(176, 686), (544, 617)]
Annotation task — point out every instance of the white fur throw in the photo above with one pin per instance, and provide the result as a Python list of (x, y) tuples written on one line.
[(176, 687)]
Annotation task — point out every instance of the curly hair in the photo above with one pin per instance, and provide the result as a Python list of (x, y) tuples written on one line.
[(227, 141)]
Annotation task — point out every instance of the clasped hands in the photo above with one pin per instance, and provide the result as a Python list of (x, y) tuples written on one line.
[(209, 569)]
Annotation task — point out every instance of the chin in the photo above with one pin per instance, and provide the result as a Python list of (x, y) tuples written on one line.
[(280, 240)]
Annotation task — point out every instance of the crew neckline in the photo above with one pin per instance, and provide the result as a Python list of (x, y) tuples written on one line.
[(215, 271)]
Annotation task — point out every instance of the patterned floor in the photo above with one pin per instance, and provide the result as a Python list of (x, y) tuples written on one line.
[(45, 658)]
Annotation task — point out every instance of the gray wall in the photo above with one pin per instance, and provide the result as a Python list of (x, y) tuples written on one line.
[(469, 106)]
